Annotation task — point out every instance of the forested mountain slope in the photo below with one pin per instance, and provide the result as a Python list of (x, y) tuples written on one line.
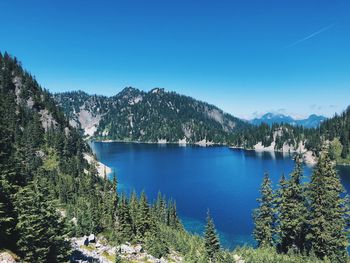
[(151, 116), (284, 137), (45, 181), (160, 116)]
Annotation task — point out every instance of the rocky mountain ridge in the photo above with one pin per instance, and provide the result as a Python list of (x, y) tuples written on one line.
[(154, 116)]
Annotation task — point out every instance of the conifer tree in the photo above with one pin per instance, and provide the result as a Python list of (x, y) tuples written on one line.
[(43, 236), (212, 243), (327, 235), (133, 208), (160, 208), (264, 217), (143, 217), (280, 205), (7, 215), (124, 231), (292, 212)]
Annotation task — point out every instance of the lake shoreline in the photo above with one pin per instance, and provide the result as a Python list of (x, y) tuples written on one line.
[(102, 169), (309, 159)]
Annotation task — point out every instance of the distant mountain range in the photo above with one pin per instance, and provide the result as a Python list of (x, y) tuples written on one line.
[(270, 118)]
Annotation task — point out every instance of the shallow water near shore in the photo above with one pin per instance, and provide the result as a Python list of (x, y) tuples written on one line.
[(218, 178)]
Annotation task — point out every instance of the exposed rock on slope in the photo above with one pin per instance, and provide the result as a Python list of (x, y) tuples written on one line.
[(154, 116)]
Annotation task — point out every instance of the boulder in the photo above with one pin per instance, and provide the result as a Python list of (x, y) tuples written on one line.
[(125, 249), (6, 257), (238, 258), (92, 238), (138, 248)]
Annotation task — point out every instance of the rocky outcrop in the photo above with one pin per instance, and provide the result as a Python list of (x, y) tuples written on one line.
[(6, 257), (100, 251), (102, 169)]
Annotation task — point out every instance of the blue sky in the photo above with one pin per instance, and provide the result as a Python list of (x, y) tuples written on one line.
[(247, 57)]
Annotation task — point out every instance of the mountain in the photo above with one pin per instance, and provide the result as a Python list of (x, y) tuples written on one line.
[(154, 116), (270, 118), (312, 121), (41, 164)]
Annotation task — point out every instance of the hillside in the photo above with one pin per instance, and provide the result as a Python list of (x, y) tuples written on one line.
[(283, 137), (154, 116), (45, 182)]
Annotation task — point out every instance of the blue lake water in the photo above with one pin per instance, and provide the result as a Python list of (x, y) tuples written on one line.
[(221, 179)]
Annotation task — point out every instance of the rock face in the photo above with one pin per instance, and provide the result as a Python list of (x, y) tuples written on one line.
[(135, 253), (92, 238), (6, 257), (238, 259)]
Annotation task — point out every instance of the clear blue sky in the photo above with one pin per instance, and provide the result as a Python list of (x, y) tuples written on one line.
[(246, 57)]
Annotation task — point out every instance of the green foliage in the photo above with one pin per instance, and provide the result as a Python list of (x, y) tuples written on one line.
[(134, 115), (311, 219), (270, 255), (42, 231), (292, 212), (155, 244), (144, 222), (118, 259), (327, 235), (37, 142), (124, 231), (212, 243), (264, 216)]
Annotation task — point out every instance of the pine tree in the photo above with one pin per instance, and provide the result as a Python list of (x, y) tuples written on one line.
[(42, 232), (327, 235), (144, 221), (280, 207), (124, 231), (292, 212), (7, 214), (133, 208), (264, 217), (160, 208), (212, 243), (172, 218)]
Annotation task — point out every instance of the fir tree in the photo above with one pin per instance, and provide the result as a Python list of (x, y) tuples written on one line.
[(293, 212), (212, 243), (124, 231), (133, 208), (43, 236), (160, 208), (7, 214), (264, 217), (144, 222), (327, 234)]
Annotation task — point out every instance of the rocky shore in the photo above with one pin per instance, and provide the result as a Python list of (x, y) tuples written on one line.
[(101, 168)]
